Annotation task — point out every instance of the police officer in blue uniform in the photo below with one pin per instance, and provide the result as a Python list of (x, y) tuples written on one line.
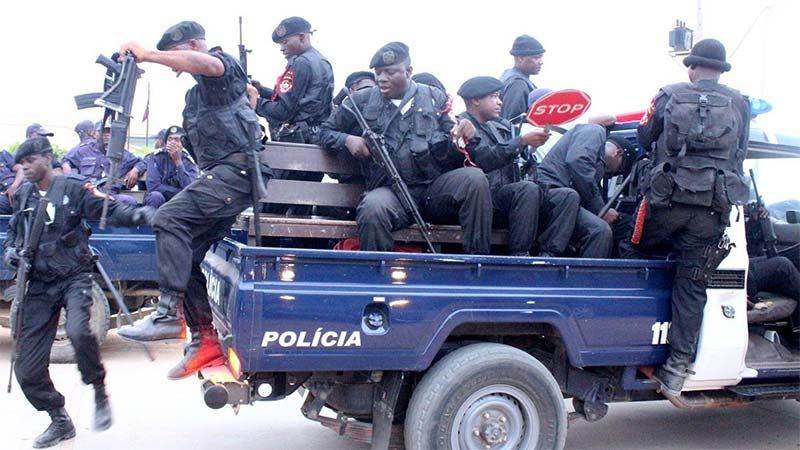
[(221, 123), (11, 178), (693, 182), (169, 171), (422, 143), (517, 203), (61, 276), (528, 54)]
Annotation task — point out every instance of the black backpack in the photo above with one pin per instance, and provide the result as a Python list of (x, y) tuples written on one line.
[(698, 121)]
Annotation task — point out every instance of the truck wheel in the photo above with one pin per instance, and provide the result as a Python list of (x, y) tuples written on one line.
[(486, 396), (62, 350)]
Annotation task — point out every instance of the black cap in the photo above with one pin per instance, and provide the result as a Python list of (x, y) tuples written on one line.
[(180, 33), (173, 130), (708, 53), (478, 87), (32, 146), (37, 130), (429, 79), (355, 77), (391, 53), (525, 45), (628, 151), (290, 26)]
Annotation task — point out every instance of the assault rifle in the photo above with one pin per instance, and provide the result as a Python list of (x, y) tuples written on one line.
[(30, 243), (243, 51), (767, 230), (119, 88), (383, 159)]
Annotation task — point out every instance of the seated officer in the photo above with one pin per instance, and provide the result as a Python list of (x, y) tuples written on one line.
[(421, 142), (580, 160), (169, 170), (89, 159), (11, 178), (516, 203)]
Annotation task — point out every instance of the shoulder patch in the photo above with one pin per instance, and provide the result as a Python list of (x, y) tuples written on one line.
[(287, 82), (651, 110)]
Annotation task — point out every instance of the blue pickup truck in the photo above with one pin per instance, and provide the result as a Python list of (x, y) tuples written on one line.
[(448, 351)]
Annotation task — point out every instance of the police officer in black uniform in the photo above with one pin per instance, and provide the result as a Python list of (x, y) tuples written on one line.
[(421, 141), (221, 126), (61, 276), (693, 183), (301, 99), (517, 203), (517, 84)]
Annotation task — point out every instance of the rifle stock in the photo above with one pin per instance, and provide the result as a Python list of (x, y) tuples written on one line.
[(381, 156), (30, 242)]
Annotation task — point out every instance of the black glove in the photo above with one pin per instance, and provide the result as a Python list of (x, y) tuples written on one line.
[(11, 257), (144, 215)]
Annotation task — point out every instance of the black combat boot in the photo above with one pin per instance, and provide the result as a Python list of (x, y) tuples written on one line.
[(102, 410), (60, 429), (165, 323), (671, 376), (202, 351)]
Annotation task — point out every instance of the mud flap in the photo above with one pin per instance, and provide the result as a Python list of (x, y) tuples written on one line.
[(384, 399)]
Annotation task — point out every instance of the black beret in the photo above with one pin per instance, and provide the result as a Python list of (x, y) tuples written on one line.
[(290, 26), (180, 33), (708, 53), (32, 146), (429, 79), (391, 53), (628, 151), (355, 77), (478, 87), (173, 130), (525, 45)]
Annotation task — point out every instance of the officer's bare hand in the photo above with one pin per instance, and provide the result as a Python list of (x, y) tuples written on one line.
[(611, 216), (139, 53), (252, 95), (535, 138), (357, 146), (463, 131), (174, 152), (131, 178)]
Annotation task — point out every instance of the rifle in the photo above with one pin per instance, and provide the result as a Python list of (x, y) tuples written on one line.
[(119, 88), (30, 243), (243, 51), (616, 195), (767, 230), (383, 159)]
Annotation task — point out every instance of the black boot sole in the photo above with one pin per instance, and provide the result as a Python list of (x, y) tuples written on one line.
[(66, 437)]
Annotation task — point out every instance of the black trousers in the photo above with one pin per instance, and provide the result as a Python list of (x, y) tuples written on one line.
[(558, 214), (40, 312), (516, 206), (187, 226), (460, 196), (693, 229), (592, 235)]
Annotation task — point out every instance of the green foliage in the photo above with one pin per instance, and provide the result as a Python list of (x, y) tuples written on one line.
[(58, 151)]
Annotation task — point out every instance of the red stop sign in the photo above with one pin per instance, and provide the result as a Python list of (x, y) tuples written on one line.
[(559, 107)]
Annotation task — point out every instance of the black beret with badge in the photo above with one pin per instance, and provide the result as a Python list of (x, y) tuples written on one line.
[(290, 26), (391, 53), (181, 33), (32, 146), (478, 87)]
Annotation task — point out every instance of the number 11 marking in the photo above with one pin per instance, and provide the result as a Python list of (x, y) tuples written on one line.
[(660, 330)]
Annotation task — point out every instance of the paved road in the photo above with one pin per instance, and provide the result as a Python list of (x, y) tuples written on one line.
[(155, 414)]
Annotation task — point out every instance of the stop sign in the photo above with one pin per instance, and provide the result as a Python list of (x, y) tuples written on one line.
[(559, 107)]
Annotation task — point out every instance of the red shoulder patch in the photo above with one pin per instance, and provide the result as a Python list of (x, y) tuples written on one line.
[(649, 113), (287, 82)]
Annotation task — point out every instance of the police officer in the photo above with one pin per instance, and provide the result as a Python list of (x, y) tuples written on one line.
[(36, 130), (516, 203), (580, 160), (517, 84), (694, 180), (11, 178), (169, 171), (87, 135), (223, 125), (61, 276), (421, 142), (89, 159), (301, 99), (357, 81)]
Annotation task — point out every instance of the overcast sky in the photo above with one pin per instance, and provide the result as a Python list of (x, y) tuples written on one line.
[(617, 51)]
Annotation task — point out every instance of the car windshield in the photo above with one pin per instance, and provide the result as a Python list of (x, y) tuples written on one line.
[(777, 181)]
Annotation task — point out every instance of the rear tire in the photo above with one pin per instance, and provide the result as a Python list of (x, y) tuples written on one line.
[(62, 350), (486, 395)]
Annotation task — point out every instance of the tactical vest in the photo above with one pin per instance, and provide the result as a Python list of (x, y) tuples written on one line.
[(64, 245), (218, 116), (698, 160), (510, 76), (315, 105), (408, 137)]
